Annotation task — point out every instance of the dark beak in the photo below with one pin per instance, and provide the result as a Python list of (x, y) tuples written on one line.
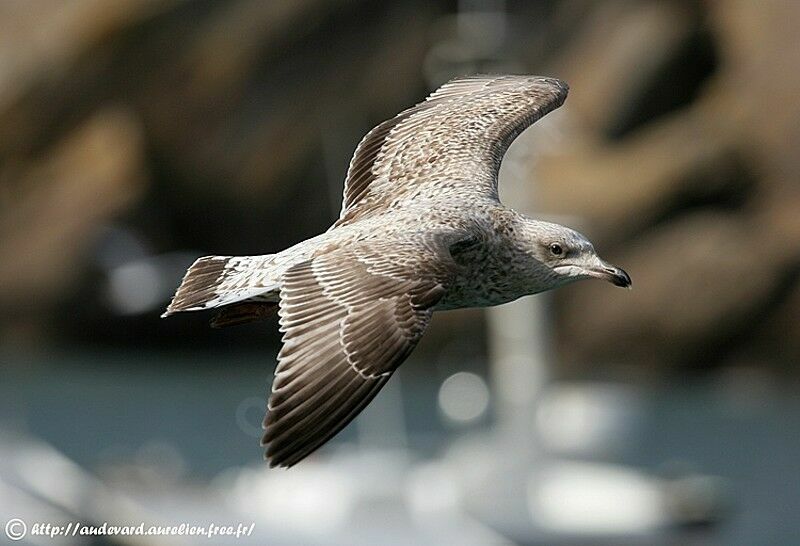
[(616, 276)]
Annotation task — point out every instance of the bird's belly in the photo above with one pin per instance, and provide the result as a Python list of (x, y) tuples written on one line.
[(484, 290)]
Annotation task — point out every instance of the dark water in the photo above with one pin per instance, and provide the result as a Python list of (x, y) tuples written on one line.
[(107, 409)]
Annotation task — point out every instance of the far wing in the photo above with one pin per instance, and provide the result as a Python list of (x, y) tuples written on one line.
[(452, 142)]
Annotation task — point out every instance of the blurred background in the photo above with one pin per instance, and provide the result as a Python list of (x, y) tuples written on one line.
[(137, 135)]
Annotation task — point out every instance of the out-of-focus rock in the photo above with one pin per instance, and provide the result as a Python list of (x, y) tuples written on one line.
[(219, 65), (699, 201), (42, 46), (759, 81), (621, 189), (611, 64), (276, 92), (776, 337), (52, 207), (698, 284)]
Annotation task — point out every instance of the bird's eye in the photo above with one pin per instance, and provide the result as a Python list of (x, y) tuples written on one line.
[(556, 249)]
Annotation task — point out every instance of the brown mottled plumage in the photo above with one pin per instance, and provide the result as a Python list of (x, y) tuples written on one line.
[(421, 229)]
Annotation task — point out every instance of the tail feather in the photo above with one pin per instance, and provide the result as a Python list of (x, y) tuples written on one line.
[(214, 281), (242, 313)]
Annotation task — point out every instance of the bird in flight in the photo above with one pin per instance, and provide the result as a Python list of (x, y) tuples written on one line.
[(421, 230)]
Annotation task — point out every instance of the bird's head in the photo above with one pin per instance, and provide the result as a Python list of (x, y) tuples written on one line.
[(570, 256)]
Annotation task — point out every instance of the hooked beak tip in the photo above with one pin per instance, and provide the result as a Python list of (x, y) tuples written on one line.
[(618, 277)]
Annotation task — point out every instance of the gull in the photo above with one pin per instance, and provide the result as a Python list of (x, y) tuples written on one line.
[(421, 230)]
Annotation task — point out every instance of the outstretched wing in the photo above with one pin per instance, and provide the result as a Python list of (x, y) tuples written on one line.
[(452, 142), (349, 319)]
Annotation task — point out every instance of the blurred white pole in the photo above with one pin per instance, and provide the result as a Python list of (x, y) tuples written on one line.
[(518, 364)]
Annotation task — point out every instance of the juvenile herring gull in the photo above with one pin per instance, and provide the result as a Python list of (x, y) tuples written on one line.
[(421, 230)]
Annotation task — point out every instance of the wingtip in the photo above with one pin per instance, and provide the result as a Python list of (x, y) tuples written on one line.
[(275, 460), (560, 85), (272, 462)]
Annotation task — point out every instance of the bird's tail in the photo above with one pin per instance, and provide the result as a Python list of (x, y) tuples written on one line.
[(215, 281)]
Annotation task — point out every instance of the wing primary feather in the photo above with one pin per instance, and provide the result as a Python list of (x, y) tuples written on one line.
[(311, 440), (310, 417)]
